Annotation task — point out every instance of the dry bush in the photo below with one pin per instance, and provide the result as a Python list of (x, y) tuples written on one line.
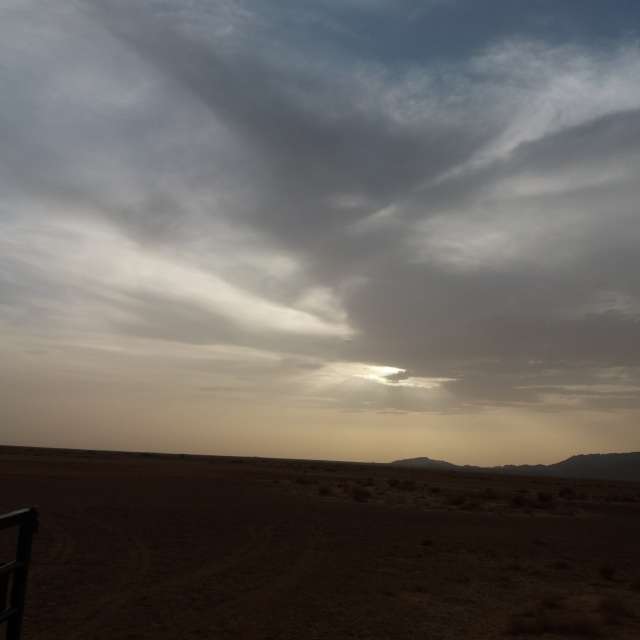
[(552, 616), (457, 500), (519, 501), (545, 498), (607, 571), (360, 494), (472, 501), (490, 494), (544, 621), (552, 601), (584, 616), (615, 610), (617, 497), (407, 485)]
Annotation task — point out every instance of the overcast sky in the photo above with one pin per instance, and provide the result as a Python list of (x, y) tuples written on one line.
[(348, 229)]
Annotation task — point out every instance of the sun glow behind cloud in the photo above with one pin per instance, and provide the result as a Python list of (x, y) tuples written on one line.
[(353, 373)]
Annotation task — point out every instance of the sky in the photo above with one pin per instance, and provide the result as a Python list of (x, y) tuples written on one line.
[(339, 229)]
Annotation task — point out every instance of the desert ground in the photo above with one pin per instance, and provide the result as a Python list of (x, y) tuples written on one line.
[(160, 547)]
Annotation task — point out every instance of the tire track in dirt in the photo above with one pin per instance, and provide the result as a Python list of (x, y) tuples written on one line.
[(108, 606), (272, 587), (136, 565), (63, 545)]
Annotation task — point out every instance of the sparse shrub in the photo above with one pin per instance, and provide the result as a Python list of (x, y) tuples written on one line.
[(552, 615), (369, 482), (544, 621), (360, 494), (302, 480), (526, 623), (607, 571), (545, 497), (561, 565), (470, 503), (436, 490), (635, 585), (457, 500), (519, 501), (619, 498), (393, 482), (325, 490), (427, 542), (490, 494), (614, 610), (407, 485), (568, 493), (552, 601)]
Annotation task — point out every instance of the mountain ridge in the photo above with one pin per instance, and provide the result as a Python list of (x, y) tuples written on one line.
[(599, 466)]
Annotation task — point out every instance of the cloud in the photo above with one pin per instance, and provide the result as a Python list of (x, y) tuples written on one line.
[(207, 174), (85, 258)]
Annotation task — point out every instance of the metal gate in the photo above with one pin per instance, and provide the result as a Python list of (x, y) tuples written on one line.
[(13, 575)]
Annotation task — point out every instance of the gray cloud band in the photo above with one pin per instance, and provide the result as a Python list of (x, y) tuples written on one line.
[(473, 221)]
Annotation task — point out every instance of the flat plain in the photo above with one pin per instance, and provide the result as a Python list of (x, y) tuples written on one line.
[(160, 547)]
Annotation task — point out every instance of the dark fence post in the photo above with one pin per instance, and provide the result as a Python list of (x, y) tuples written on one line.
[(4, 590), (27, 521)]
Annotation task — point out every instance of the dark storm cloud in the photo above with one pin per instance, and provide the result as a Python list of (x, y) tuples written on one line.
[(318, 183)]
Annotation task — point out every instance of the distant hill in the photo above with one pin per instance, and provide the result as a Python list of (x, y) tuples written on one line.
[(604, 466), (429, 463)]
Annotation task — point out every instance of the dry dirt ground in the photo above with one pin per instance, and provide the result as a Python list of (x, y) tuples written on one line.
[(138, 546)]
